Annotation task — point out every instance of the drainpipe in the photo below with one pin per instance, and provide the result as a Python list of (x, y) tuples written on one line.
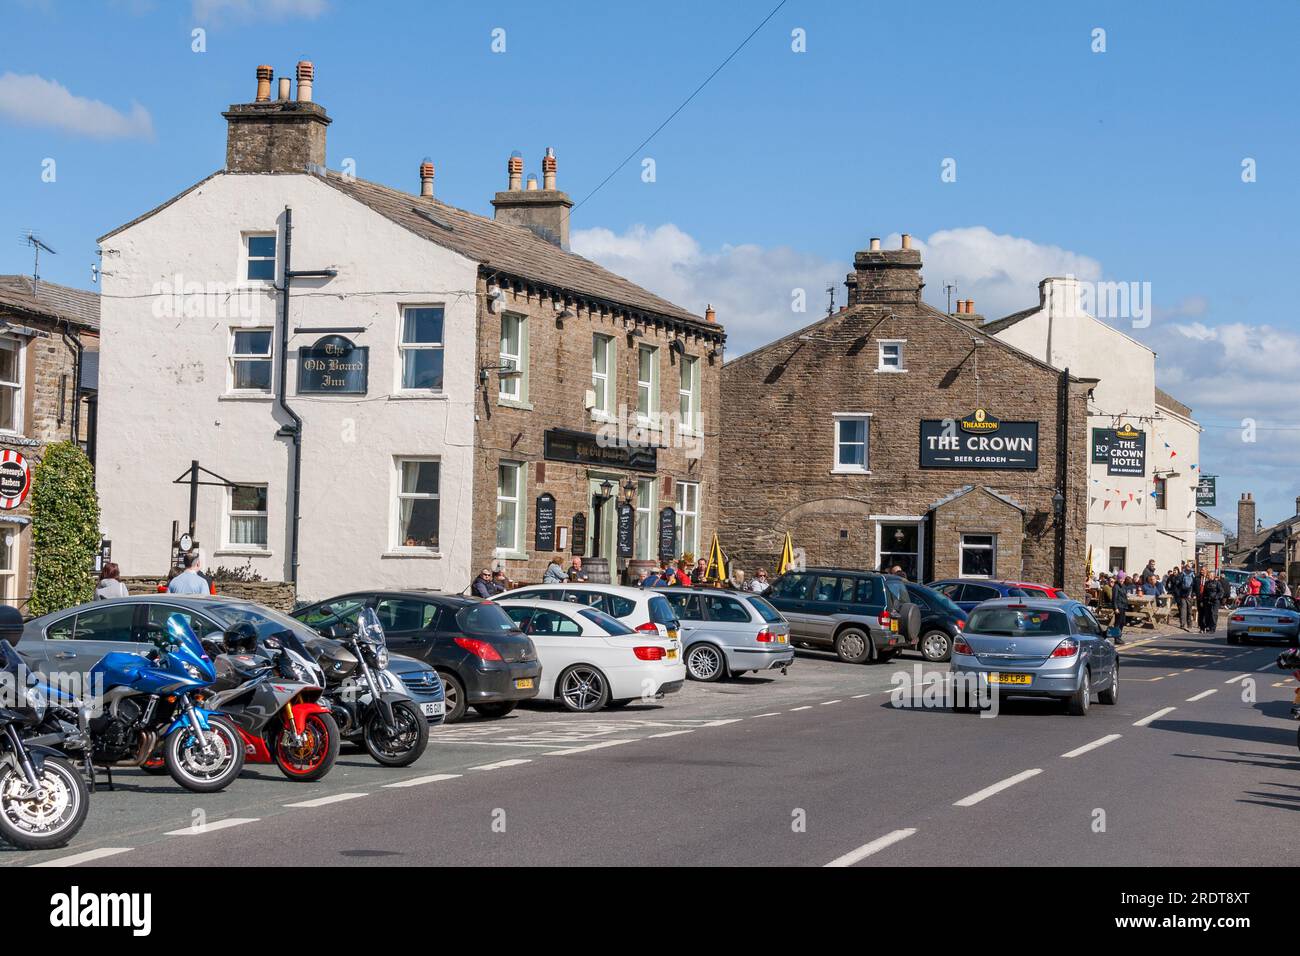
[(73, 342), (1062, 471), (293, 430)]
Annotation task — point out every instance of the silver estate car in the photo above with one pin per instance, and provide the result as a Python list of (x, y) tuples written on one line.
[(1264, 617), (1025, 647), (729, 632)]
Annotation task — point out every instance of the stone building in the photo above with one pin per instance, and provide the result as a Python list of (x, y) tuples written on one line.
[(386, 390), (1275, 548), (893, 433), (49, 337)]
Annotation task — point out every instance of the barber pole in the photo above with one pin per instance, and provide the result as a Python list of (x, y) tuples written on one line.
[(15, 479)]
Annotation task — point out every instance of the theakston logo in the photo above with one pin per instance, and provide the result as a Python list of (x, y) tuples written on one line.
[(76, 909), (1127, 432), (979, 422)]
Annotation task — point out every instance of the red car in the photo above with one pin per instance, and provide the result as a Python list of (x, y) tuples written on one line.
[(1041, 590)]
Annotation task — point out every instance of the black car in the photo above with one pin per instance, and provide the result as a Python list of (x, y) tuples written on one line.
[(484, 660), (941, 622)]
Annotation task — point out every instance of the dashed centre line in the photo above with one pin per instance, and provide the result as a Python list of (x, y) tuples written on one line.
[(86, 856), (212, 827), (579, 750), (1156, 716), (875, 846), (502, 763), (804, 707), (981, 795), (1099, 742), (1202, 695), (671, 733), (324, 801), (418, 781)]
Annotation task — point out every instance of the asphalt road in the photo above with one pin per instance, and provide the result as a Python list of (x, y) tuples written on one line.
[(808, 769)]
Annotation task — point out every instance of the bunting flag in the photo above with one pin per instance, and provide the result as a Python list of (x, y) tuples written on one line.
[(1122, 505), (1105, 504), (1091, 502), (787, 555)]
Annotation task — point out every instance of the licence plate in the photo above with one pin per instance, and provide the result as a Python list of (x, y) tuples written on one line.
[(436, 708), (1260, 630), (781, 638), (672, 653), (893, 626), (524, 683), (672, 635), (1011, 678)]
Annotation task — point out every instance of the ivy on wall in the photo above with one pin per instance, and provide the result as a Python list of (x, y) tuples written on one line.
[(65, 529)]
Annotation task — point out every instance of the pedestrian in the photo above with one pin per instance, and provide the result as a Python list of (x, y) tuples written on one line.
[(699, 572), (575, 570), (1210, 597), (1184, 592), (1266, 584), (1119, 602), (500, 583), (109, 584), (1253, 585), (190, 581), (554, 573), (639, 580), (758, 583), (651, 578), (482, 586), (738, 580)]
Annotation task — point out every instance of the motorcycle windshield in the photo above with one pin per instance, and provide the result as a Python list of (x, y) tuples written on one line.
[(369, 629), (188, 648)]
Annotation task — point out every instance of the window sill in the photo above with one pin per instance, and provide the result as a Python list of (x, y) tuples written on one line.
[(892, 371), (411, 553), (510, 555), (414, 395), (246, 397), (604, 417), (514, 403), (243, 553), (850, 471)]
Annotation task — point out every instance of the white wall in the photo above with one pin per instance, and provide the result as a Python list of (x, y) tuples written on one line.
[(1062, 335), (163, 381)]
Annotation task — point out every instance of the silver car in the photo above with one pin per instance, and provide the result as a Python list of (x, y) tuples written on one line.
[(1264, 617), (1036, 648), (729, 632)]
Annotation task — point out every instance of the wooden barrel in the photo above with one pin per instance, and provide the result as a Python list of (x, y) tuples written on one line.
[(597, 570)]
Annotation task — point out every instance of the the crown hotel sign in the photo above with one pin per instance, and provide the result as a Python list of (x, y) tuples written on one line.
[(979, 440), (335, 365), (1122, 449)]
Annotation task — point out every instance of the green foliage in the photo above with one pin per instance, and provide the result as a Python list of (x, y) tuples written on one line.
[(65, 529)]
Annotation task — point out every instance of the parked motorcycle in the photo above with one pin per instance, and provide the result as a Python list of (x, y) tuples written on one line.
[(274, 700), (150, 703), (355, 664), (1289, 660), (43, 798)]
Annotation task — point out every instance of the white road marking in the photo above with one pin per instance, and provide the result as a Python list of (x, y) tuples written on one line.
[(1202, 695), (417, 781), (804, 707), (875, 846), (1156, 716), (773, 713), (1233, 680), (502, 763), (998, 787), (719, 723), (860, 696), (210, 827), (671, 733), (826, 703), (322, 801), (1099, 742), (86, 856), (580, 750)]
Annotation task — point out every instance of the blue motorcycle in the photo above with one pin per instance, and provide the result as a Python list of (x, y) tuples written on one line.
[(150, 703)]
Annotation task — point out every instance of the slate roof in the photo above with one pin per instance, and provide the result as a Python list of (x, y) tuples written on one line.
[(50, 301), (997, 325), (1166, 400)]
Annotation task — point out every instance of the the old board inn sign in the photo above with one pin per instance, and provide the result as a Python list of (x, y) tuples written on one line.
[(979, 440)]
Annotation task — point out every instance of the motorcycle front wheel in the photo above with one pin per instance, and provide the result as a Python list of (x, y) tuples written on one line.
[(401, 745), (48, 818), (315, 757), (205, 771)]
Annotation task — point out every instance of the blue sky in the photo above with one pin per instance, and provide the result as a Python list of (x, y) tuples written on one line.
[(1128, 161)]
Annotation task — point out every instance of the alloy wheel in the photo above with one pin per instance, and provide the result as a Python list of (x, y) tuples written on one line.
[(704, 662), (583, 688)]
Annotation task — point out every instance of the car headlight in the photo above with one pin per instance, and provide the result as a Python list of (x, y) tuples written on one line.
[(193, 671)]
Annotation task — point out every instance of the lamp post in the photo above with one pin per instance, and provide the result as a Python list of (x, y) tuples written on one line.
[(598, 500)]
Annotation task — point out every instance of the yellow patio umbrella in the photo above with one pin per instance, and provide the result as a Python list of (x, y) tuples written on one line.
[(787, 556), (1088, 571), (716, 569)]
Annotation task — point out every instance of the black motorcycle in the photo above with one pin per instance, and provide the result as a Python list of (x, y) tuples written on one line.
[(43, 798), (355, 665)]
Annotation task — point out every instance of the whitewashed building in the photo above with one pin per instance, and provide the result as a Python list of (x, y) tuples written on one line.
[(1142, 481)]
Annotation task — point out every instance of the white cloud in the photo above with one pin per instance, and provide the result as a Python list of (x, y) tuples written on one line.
[(32, 100), (206, 11), (751, 287)]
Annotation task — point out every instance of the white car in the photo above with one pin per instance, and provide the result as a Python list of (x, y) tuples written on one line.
[(642, 610), (590, 660)]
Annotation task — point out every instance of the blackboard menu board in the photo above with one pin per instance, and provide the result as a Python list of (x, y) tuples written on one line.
[(580, 535), (626, 529), (544, 523), (667, 534)]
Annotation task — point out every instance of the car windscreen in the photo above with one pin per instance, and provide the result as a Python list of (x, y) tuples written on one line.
[(939, 600), (768, 613), (265, 621), (484, 620), (610, 625), (661, 612), (1018, 622)]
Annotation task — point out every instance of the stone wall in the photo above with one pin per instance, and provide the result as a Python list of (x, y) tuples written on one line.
[(273, 594), (559, 375)]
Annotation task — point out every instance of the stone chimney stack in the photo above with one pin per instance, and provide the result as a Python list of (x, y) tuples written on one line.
[(545, 211), (886, 276), (426, 178), (966, 312), (280, 136), (1246, 521)]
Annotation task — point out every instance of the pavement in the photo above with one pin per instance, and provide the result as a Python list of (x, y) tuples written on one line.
[(1197, 764)]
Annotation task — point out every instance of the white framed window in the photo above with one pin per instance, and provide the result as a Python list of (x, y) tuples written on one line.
[(602, 373), (9, 564), (891, 356), (510, 507), (514, 354), (688, 518), (246, 518), (420, 348), (852, 443), (688, 394), (647, 383), (646, 527), (979, 555), (250, 360), (11, 384), (417, 503), (259, 257)]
